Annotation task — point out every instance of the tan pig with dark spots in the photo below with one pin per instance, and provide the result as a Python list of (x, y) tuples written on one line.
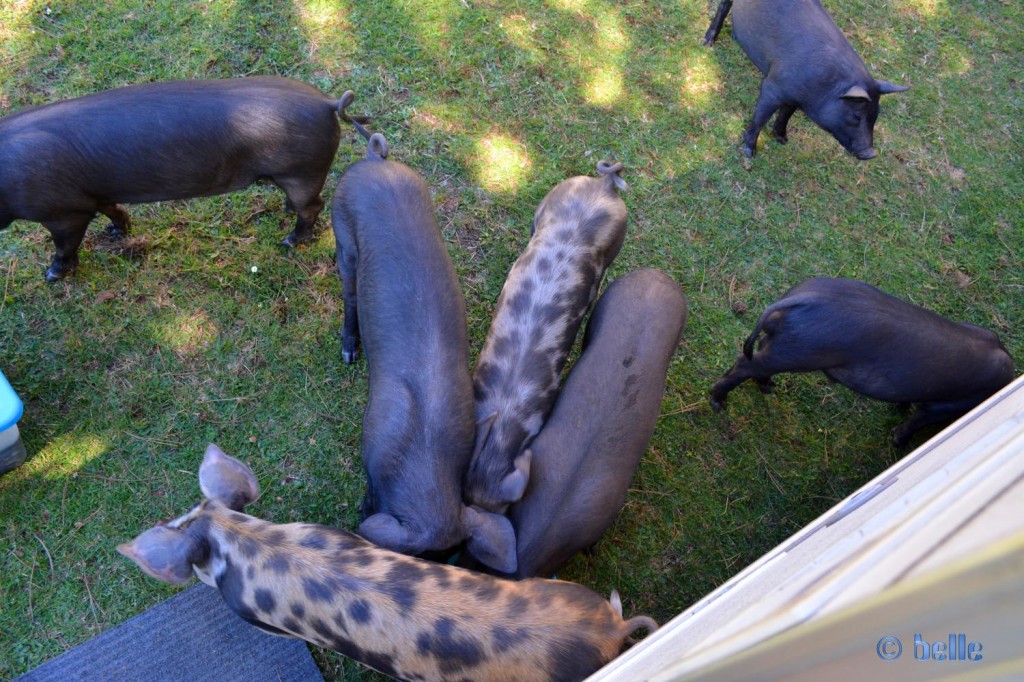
[(405, 617)]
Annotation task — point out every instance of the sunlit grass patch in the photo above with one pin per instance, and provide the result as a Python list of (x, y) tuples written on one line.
[(68, 454), (501, 162), (188, 332)]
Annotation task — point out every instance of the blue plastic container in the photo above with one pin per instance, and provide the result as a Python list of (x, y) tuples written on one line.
[(12, 450)]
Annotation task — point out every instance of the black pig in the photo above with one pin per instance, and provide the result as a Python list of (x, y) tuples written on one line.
[(808, 64), (875, 344), (61, 163), (588, 450), (403, 299)]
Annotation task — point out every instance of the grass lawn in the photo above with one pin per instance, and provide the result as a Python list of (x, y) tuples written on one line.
[(200, 327)]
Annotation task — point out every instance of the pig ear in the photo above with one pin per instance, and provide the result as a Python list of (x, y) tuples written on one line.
[(491, 539), (165, 553), (887, 88), (483, 432), (385, 531), (514, 484), (856, 92), (227, 480)]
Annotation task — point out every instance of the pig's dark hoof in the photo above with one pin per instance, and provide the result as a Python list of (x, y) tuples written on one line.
[(116, 231), (766, 386), (58, 271), (717, 403), (349, 356), (781, 139), (295, 238), (748, 151)]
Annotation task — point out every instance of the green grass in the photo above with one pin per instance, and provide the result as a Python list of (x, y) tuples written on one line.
[(169, 341)]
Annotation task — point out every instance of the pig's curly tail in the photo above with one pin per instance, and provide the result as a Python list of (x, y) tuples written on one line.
[(612, 170), (376, 143)]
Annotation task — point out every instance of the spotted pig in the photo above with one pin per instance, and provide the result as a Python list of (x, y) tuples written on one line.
[(877, 345), (577, 232), (62, 163), (403, 301), (405, 617), (586, 454)]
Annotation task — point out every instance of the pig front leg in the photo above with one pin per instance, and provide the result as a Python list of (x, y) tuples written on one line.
[(716, 23), (767, 104), (368, 507), (930, 413), (67, 234), (347, 262), (119, 220), (781, 121)]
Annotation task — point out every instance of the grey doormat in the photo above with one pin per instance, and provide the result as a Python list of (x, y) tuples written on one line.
[(190, 637)]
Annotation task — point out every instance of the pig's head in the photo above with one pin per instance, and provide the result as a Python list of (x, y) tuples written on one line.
[(172, 551), (850, 115)]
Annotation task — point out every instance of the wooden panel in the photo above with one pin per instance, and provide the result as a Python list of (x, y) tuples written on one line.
[(952, 497)]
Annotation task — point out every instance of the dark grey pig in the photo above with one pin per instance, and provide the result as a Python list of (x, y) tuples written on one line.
[(807, 64), (61, 163), (585, 456), (577, 231), (877, 345), (403, 299)]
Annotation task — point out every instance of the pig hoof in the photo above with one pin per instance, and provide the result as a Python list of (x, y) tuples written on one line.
[(781, 139), (56, 272), (116, 231), (748, 151), (349, 356), (295, 238), (717, 404)]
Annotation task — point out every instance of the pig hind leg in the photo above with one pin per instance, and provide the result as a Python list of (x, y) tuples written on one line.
[(716, 23), (67, 234), (781, 121), (303, 196), (745, 368)]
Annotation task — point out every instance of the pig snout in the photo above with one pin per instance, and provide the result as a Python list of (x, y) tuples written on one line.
[(866, 154)]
